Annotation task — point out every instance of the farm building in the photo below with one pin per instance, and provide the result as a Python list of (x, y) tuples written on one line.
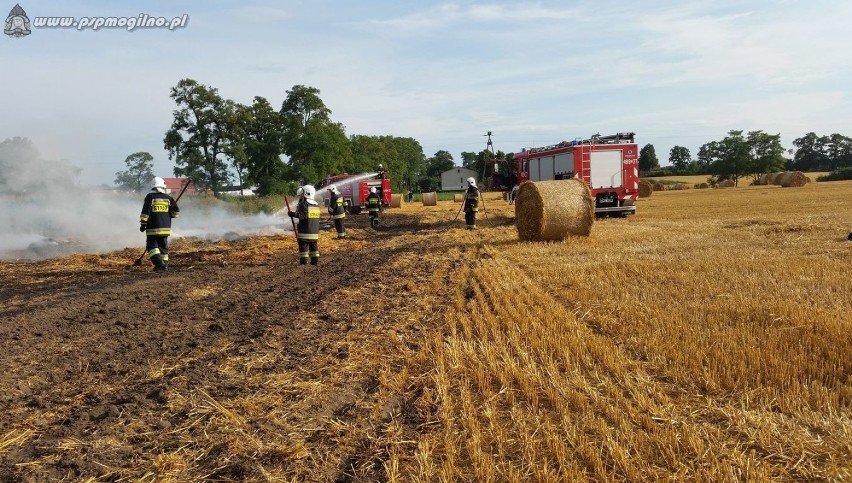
[(454, 179), (174, 185)]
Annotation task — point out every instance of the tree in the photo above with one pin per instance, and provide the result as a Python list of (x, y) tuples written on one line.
[(431, 180), (705, 156), (766, 155), (822, 153), (199, 134), (262, 144), (731, 158), (680, 158), (24, 172), (648, 158), (315, 145), (140, 170)]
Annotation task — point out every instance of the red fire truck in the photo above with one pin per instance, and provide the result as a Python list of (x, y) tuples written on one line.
[(356, 187), (608, 164)]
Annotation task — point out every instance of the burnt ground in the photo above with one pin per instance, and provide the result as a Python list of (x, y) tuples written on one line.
[(237, 364)]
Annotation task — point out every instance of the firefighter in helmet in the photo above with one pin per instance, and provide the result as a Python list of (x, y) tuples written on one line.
[(374, 206), (308, 213), (471, 204), (383, 173), (337, 210), (158, 209)]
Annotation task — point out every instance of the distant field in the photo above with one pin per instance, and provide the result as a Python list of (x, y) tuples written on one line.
[(697, 179)]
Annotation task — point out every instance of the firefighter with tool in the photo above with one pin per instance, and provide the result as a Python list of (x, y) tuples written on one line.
[(471, 204), (158, 209), (337, 210), (374, 206), (307, 233)]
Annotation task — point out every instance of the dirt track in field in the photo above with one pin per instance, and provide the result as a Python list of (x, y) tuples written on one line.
[(114, 372)]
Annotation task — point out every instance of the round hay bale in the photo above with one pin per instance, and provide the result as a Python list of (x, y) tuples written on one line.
[(645, 189), (763, 179), (792, 179), (703, 186), (726, 183), (430, 199), (458, 197), (396, 200), (552, 210), (772, 178), (659, 186)]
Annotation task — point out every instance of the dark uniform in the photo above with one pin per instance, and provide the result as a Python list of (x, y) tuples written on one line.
[(158, 209), (471, 207), (308, 213), (374, 206), (337, 210)]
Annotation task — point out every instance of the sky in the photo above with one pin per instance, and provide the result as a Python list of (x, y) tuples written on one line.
[(444, 73)]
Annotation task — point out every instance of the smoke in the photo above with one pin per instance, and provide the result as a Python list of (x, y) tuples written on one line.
[(45, 213)]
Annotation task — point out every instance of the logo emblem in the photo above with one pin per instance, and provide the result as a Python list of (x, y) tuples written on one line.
[(17, 23)]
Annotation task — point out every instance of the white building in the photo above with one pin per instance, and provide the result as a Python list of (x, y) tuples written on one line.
[(456, 179)]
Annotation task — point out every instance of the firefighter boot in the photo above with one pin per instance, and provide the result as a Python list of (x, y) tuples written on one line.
[(314, 260)]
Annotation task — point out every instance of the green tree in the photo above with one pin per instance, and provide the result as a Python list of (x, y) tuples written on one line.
[(731, 157), (435, 165), (315, 145), (199, 134), (262, 129), (680, 158), (766, 155), (822, 153), (648, 158), (139, 172)]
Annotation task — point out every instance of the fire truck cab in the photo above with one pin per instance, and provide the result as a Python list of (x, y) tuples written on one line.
[(608, 164)]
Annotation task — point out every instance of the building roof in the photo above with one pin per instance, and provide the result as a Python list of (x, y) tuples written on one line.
[(176, 184)]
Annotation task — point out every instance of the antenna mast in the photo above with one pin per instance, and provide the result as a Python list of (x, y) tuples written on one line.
[(489, 147)]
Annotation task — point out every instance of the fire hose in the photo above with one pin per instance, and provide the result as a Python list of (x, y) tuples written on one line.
[(185, 186), (295, 231)]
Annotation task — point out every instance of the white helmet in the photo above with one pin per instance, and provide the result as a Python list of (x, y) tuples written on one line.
[(158, 184), (333, 189), (308, 191), (372, 189), (471, 181), (380, 165)]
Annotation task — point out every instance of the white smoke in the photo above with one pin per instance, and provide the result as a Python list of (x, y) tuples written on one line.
[(45, 213)]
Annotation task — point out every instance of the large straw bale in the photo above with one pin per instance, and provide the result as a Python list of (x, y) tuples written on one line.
[(659, 186), (430, 199), (645, 189), (396, 200), (772, 178), (763, 179), (458, 197), (552, 210), (792, 179), (726, 183)]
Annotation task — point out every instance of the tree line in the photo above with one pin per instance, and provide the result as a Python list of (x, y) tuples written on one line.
[(750, 155)]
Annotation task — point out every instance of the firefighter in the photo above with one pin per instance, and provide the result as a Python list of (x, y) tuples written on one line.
[(308, 213), (383, 173), (471, 204), (337, 210), (374, 206), (158, 209)]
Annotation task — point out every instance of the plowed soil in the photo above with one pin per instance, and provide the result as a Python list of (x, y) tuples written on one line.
[(112, 372)]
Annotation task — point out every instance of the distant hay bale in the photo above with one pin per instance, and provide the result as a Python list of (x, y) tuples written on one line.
[(552, 210), (430, 199), (645, 189), (703, 186), (726, 183), (772, 178), (458, 197), (680, 186), (763, 179), (790, 179), (659, 186), (396, 200)]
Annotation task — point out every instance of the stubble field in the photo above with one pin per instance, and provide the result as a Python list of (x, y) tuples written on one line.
[(706, 338)]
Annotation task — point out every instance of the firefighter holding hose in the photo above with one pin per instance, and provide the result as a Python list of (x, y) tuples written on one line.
[(471, 204), (158, 209), (307, 232), (337, 210)]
